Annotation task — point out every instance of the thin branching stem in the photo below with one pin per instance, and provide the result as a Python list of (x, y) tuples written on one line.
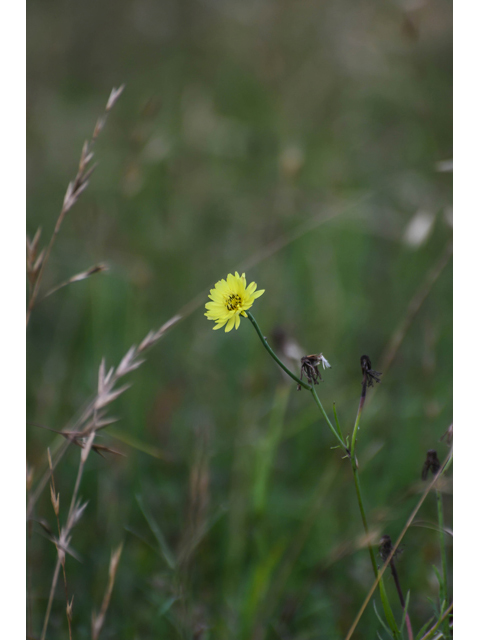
[(332, 428), (69, 525), (438, 623), (382, 569), (36, 287), (443, 586), (310, 388), (353, 459), (273, 354), (50, 598), (337, 423), (443, 552)]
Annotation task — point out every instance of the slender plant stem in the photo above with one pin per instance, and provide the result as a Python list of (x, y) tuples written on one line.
[(83, 457), (443, 586), (356, 426), (337, 422), (60, 555), (33, 297), (353, 459), (50, 598), (386, 606), (382, 569), (402, 599), (29, 579), (332, 428), (273, 354), (294, 377), (438, 623), (443, 551)]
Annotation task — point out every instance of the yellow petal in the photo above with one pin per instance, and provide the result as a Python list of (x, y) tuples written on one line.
[(216, 296), (257, 294), (237, 321), (222, 286), (230, 324)]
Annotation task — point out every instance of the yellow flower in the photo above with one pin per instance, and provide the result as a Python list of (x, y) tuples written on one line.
[(230, 299)]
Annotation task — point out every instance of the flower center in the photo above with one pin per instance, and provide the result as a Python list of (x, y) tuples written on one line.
[(233, 302)]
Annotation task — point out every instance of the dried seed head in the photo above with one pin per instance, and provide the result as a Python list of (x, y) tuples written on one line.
[(32, 245), (369, 374), (153, 336), (432, 463), (77, 513), (55, 498), (69, 609), (114, 560), (34, 263), (114, 96), (309, 367), (385, 547)]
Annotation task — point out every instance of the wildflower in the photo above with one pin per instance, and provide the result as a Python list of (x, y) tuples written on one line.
[(310, 368), (369, 375), (431, 463), (230, 299)]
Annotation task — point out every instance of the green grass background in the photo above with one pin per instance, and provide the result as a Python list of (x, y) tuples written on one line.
[(297, 137)]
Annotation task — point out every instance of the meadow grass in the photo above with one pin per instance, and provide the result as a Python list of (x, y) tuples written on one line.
[(208, 500)]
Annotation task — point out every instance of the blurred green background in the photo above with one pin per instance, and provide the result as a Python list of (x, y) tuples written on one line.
[(306, 143)]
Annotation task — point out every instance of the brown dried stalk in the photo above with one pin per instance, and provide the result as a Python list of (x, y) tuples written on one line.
[(55, 498), (93, 417), (36, 266), (97, 621), (83, 433), (97, 268)]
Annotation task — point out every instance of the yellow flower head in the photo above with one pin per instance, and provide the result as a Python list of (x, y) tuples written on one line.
[(230, 299)]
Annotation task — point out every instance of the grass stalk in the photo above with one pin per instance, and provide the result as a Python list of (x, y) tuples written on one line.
[(74, 513), (353, 460), (74, 190), (382, 570), (443, 553)]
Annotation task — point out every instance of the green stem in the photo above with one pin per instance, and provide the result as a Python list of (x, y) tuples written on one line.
[(274, 356), (359, 415), (383, 594), (294, 377), (332, 428), (337, 422)]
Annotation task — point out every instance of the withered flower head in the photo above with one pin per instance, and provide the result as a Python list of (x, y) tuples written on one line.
[(432, 463), (385, 547), (309, 367), (369, 374)]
